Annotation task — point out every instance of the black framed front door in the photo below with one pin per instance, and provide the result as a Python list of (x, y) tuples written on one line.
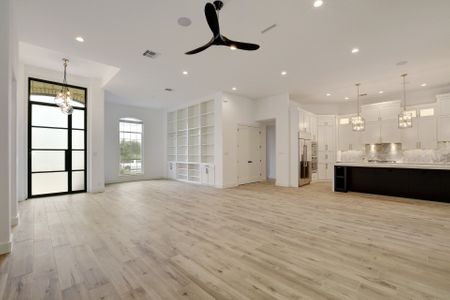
[(56, 141)]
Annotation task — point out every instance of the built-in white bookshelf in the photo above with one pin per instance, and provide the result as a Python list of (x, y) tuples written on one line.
[(190, 146)]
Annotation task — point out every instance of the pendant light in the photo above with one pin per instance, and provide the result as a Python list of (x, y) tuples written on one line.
[(358, 122), (405, 117), (63, 98)]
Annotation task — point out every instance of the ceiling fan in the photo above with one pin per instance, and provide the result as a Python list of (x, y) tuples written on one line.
[(212, 17)]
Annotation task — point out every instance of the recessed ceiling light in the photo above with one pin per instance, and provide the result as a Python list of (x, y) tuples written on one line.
[(79, 39), (234, 88), (318, 3), (328, 94), (283, 73), (423, 85), (381, 92), (185, 72), (355, 50), (233, 47), (347, 98)]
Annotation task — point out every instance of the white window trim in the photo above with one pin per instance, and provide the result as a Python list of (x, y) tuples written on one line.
[(131, 120)]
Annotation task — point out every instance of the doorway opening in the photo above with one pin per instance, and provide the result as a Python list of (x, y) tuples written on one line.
[(271, 162), (56, 141)]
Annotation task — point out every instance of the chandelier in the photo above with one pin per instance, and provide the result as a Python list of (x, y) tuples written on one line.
[(63, 98), (358, 122), (405, 117)]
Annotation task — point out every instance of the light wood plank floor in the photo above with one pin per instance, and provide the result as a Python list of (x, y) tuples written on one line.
[(169, 240)]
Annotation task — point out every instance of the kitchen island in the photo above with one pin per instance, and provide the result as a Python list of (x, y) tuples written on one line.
[(418, 181)]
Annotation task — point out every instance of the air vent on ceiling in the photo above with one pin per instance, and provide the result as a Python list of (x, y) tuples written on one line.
[(269, 28), (150, 54)]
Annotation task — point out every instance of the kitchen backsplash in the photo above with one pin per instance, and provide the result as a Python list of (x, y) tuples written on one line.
[(394, 153)]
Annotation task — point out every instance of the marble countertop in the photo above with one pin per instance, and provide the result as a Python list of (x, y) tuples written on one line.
[(395, 165)]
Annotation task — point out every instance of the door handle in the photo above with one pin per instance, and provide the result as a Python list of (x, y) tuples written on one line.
[(250, 162)]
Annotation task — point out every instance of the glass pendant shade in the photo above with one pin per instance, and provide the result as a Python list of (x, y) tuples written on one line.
[(405, 120), (405, 117), (358, 122), (63, 98)]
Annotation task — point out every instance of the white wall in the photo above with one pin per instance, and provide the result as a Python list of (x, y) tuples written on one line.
[(7, 74), (271, 151), (277, 107), (95, 121), (154, 148), (235, 110)]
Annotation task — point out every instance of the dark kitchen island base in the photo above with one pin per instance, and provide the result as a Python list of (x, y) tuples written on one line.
[(426, 184)]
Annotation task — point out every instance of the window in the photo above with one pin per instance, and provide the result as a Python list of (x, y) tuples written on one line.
[(130, 146), (344, 121), (427, 112)]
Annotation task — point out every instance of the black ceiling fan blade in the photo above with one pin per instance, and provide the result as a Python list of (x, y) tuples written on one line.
[(212, 19), (240, 45), (202, 48)]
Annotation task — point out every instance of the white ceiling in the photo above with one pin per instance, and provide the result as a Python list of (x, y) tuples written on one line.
[(312, 45)]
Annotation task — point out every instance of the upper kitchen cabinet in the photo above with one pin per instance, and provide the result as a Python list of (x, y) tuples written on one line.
[(444, 104), (389, 131), (444, 128), (444, 118), (308, 124), (347, 138), (427, 132), (372, 133)]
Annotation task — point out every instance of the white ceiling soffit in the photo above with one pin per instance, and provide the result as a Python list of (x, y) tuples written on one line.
[(312, 44), (52, 60)]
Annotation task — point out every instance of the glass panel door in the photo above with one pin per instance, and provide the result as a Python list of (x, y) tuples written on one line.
[(56, 142)]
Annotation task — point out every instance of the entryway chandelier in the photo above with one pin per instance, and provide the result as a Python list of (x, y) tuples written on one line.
[(358, 122), (405, 117), (63, 98)]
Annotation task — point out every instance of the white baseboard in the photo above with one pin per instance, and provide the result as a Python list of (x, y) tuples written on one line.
[(132, 179), (6, 248), (15, 221)]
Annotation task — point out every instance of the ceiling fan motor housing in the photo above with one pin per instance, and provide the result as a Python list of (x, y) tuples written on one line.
[(218, 4)]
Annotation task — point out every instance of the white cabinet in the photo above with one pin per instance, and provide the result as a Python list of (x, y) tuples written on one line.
[(444, 128), (370, 115), (308, 124), (389, 131), (410, 136), (348, 139), (326, 121), (207, 174), (190, 133), (427, 133), (444, 105), (372, 134), (326, 142), (325, 171), (313, 126), (326, 138)]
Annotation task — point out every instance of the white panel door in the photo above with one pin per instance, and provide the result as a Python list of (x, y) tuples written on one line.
[(249, 154)]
